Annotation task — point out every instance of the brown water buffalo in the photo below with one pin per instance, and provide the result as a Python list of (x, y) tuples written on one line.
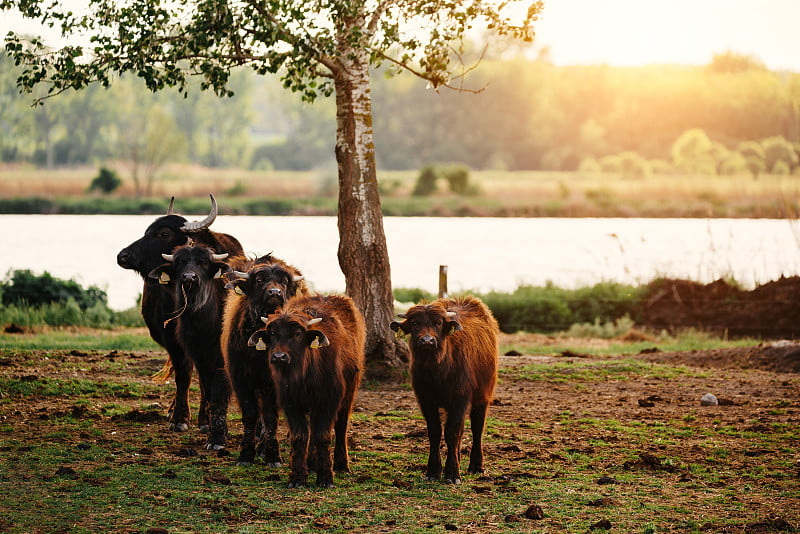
[(144, 255), (258, 290), (454, 354), (316, 353), (196, 273)]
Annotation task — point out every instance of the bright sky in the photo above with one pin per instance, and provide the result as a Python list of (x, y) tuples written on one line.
[(638, 32)]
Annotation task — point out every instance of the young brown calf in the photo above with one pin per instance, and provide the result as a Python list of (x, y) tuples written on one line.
[(264, 285), (453, 365), (316, 354)]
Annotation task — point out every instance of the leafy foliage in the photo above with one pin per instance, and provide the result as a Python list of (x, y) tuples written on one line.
[(22, 286), (107, 181), (166, 44)]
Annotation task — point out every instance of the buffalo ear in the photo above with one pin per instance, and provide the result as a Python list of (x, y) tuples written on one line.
[(161, 273), (221, 269), (237, 285), (316, 339), (451, 327), (257, 340), (397, 327)]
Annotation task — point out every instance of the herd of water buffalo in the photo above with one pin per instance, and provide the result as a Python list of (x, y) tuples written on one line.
[(253, 327)]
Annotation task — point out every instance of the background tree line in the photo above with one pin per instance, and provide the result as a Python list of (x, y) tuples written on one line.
[(729, 117)]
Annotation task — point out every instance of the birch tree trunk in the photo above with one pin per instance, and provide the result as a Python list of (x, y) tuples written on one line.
[(363, 256)]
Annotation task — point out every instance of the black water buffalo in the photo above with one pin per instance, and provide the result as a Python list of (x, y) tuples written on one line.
[(199, 299), (143, 255), (258, 290)]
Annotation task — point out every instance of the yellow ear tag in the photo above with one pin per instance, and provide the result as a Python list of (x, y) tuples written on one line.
[(164, 278), (452, 330), (399, 334), (238, 291), (315, 343), (261, 345), (219, 274)]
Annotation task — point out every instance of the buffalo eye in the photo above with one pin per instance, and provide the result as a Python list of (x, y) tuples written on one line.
[(298, 334), (164, 234), (439, 322)]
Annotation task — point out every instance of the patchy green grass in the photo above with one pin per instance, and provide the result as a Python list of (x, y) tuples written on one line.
[(84, 448), (83, 339), (559, 343), (597, 370)]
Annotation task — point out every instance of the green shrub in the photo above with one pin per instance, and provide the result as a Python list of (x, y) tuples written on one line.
[(426, 181), (589, 164), (603, 330), (107, 181), (25, 287), (458, 178), (412, 294), (781, 168)]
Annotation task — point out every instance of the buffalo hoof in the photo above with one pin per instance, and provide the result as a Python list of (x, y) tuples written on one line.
[(324, 484), (432, 478), (214, 446), (204, 429), (273, 464), (452, 480), (178, 427), (244, 463), (296, 484)]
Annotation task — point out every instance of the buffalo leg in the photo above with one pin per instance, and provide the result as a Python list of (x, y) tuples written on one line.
[(434, 424), (218, 409), (216, 385), (453, 431), (321, 442), (182, 366), (269, 418), (341, 458), (477, 417), (249, 408), (298, 428)]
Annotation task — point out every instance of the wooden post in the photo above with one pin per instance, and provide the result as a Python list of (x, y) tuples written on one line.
[(442, 281)]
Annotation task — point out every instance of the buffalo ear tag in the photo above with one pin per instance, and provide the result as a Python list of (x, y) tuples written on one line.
[(238, 291), (164, 278), (315, 343), (399, 334), (452, 330), (261, 345), (219, 274)]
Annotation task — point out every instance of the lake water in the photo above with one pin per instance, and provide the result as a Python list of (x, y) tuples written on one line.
[(481, 253)]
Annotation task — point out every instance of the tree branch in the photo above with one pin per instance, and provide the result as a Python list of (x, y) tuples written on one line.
[(436, 84)]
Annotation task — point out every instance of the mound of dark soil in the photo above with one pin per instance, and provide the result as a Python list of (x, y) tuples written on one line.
[(770, 311)]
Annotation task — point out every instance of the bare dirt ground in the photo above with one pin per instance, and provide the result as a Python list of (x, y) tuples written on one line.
[(540, 420)]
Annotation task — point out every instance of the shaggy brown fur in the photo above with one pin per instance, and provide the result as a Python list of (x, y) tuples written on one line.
[(316, 367), (263, 286), (454, 354)]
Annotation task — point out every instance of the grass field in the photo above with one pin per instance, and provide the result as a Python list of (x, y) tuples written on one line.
[(614, 441), (522, 193)]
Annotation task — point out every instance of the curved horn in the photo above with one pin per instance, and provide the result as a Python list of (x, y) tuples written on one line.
[(265, 319), (171, 205), (169, 257), (199, 226), (297, 278), (451, 314), (239, 274), (401, 315), (314, 321), (219, 257)]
